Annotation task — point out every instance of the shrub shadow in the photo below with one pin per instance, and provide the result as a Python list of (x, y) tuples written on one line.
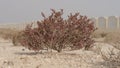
[(28, 53)]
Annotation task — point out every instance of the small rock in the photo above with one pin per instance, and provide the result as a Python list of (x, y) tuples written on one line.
[(23, 49)]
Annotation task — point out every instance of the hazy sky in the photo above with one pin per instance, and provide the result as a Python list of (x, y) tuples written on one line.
[(12, 11)]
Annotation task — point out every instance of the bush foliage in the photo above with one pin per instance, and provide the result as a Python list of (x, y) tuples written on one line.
[(54, 32)]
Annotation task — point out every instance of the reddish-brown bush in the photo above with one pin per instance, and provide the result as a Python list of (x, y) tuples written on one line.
[(55, 33)]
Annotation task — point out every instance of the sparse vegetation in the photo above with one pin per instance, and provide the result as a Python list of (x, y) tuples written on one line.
[(114, 39), (99, 34), (11, 34), (110, 36), (7, 33)]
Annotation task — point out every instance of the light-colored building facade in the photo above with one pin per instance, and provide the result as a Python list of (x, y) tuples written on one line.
[(111, 22)]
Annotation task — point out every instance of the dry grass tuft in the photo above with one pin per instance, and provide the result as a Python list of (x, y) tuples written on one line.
[(7, 33), (99, 34)]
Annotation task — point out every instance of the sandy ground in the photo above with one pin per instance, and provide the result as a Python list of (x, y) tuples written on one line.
[(18, 57)]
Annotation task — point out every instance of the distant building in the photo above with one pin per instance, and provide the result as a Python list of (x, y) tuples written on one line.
[(111, 22)]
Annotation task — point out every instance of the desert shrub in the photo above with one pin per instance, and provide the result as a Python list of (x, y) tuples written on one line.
[(54, 32)]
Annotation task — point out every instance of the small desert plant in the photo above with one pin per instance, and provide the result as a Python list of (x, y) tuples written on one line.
[(16, 38), (103, 34), (54, 32), (99, 34)]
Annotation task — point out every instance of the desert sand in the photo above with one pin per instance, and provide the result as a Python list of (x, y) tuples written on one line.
[(19, 57)]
